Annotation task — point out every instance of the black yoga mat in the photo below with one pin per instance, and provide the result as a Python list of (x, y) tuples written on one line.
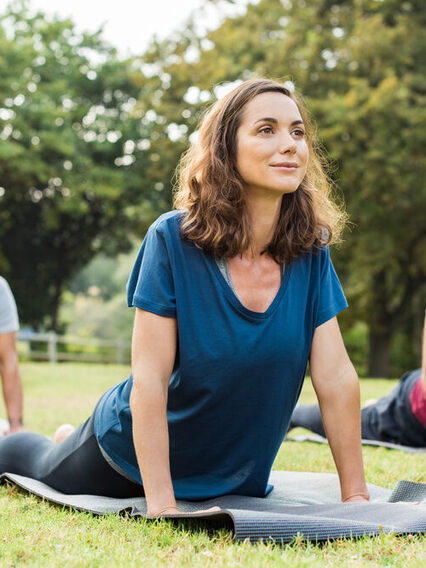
[(321, 440), (301, 503)]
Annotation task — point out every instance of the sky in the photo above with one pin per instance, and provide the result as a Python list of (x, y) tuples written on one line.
[(131, 24)]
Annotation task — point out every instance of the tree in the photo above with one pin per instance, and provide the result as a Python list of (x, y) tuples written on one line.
[(361, 68), (72, 146)]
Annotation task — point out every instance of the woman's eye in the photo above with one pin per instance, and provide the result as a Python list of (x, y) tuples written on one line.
[(266, 130), (299, 133)]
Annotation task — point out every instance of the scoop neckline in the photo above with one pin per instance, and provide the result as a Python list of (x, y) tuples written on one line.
[(236, 302)]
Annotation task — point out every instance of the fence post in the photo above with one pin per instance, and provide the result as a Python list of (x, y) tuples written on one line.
[(52, 347), (120, 352)]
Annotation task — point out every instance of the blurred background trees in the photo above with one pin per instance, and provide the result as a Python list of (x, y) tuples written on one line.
[(361, 68), (67, 123)]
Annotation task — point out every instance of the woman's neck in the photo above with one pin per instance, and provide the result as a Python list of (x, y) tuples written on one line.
[(263, 214)]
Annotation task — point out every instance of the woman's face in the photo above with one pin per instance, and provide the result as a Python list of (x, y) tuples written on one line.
[(272, 152)]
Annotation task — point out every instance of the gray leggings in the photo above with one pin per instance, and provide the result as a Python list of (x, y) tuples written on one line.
[(75, 466)]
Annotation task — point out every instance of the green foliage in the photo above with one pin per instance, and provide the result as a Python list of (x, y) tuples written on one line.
[(96, 304), (70, 135), (86, 316), (89, 143), (361, 68), (356, 343), (104, 277)]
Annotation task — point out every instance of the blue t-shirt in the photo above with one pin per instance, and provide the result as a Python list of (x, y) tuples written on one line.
[(237, 374)]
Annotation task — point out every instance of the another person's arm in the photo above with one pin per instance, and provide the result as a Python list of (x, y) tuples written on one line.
[(336, 384), (11, 381)]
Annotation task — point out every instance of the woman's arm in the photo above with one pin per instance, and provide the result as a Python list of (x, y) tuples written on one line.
[(153, 356), (336, 384)]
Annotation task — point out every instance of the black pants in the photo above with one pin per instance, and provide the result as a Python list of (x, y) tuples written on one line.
[(390, 419), (75, 466)]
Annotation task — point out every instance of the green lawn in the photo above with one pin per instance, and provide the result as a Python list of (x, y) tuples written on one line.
[(33, 533)]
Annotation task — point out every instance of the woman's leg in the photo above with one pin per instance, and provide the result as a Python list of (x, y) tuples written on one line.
[(75, 466), (23, 453)]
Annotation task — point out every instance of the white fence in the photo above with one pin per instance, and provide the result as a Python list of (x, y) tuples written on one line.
[(54, 348)]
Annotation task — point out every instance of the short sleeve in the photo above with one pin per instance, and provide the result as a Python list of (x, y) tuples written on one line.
[(9, 321), (331, 299), (150, 286)]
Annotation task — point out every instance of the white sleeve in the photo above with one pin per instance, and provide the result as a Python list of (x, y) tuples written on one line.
[(9, 321)]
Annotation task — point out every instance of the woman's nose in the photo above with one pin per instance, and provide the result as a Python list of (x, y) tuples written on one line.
[(287, 144)]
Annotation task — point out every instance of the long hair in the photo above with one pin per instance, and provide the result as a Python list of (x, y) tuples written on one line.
[(212, 192)]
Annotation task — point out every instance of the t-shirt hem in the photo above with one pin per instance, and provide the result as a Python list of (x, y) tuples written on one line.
[(9, 329), (115, 466), (128, 470), (332, 311), (152, 307)]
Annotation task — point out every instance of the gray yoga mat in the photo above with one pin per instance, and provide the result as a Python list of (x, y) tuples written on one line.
[(301, 503), (321, 440)]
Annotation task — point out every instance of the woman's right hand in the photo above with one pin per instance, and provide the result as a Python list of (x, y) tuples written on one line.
[(177, 511)]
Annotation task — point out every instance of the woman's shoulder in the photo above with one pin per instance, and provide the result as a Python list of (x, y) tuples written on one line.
[(167, 222), (312, 266), (316, 256)]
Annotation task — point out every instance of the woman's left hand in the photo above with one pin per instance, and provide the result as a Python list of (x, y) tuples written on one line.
[(356, 499)]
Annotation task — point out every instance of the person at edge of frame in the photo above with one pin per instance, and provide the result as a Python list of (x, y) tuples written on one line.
[(397, 418), (9, 366)]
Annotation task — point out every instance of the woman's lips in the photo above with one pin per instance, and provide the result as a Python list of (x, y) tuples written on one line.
[(286, 167)]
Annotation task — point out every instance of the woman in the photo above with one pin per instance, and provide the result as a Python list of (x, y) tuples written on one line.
[(234, 292)]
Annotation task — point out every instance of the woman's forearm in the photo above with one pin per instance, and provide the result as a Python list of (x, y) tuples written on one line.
[(340, 409), (148, 403)]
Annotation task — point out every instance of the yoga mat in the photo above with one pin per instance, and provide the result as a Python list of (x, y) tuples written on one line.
[(321, 440), (301, 503)]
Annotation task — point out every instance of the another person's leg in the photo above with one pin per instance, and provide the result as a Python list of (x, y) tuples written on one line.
[(308, 416), (389, 419), (75, 466)]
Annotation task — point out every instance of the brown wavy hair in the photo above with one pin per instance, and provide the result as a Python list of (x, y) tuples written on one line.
[(212, 192)]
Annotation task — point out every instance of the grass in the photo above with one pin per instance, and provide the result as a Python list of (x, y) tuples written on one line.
[(38, 534)]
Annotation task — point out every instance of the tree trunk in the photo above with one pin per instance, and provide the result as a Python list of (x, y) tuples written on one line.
[(381, 330), (379, 353), (54, 310)]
